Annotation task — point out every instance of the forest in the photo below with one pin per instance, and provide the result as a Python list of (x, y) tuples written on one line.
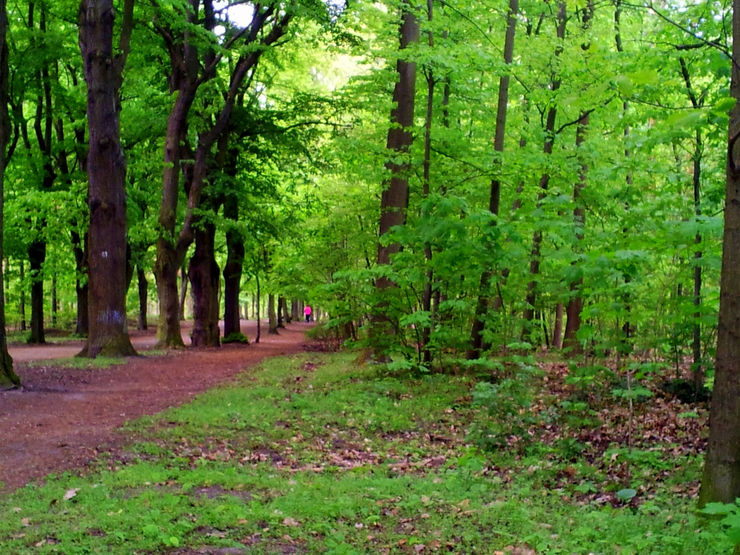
[(531, 205)]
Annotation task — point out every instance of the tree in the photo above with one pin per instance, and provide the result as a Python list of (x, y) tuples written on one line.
[(195, 62), (8, 378), (721, 479), (495, 195), (395, 197), (107, 177)]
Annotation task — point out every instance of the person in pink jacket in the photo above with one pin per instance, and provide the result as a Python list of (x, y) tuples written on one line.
[(307, 311)]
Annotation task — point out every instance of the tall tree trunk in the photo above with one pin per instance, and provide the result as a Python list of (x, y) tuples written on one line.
[(394, 198), (271, 314), (281, 311), (257, 308), (535, 256), (295, 310), (481, 310), (696, 103), (143, 287), (627, 328), (204, 279), (36, 258), (106, 169), (183, 292), (426, 300), (54, 299), (721, 479), (22, 307), (557, 329), (575, 302), (232, 268), (43, 130), (8, 378)]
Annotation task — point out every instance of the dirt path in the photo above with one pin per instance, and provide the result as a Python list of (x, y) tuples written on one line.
[(62, 418)]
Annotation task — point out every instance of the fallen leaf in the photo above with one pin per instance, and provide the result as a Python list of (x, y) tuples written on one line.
[(71, 493), (289, 521)]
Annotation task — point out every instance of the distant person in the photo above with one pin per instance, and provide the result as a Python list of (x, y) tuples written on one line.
[(307, 311)]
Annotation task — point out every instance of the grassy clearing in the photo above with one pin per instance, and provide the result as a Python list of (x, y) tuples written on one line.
[(312, 454)]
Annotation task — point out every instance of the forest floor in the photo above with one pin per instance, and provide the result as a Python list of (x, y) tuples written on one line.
[(65, 416)]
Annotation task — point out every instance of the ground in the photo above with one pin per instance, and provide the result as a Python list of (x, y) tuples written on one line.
[(64, 417)]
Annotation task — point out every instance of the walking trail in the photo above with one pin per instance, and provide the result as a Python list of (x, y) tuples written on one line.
[(62, 418)]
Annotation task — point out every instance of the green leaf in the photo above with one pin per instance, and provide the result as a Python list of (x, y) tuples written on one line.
[(717, 508), (724, 105), (624, 85), (626, 495)]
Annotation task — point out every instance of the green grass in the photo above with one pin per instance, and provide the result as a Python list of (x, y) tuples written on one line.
[(312, 454), (84, 363)]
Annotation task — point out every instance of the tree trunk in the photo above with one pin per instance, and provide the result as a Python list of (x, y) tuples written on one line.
[(43, 131), (8, 378), (295, 310), (721, 479), (281, 311), (22, 307), (183, 293), (534, 264), (143, 286), (106, 169), (36, 258), (394, 198), (272, 314), (79, 246), (267, 26), (696, 103), (481, 310), (204, 279), (54, 299), (426, 299), (257, 308), (557, 330), (165, 270), (575, 302), (232, 268)]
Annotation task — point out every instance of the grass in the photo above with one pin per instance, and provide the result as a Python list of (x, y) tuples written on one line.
[(84, 363), (312, 454)]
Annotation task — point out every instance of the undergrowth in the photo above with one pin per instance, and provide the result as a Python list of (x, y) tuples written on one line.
[(314, 454)]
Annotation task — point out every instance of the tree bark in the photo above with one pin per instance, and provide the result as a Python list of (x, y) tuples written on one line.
[(204, 279), (721, 479), (281, 311), (394, 198), (257, 308), (8, 378), (575, 302), (557, 329), (22, 303), (271, 314), (106, 170), (36, 258), (143, 287), (81, 289), (426, 299), (232, 268)]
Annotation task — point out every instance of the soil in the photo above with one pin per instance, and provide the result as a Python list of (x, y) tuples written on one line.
[(62, 418)]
